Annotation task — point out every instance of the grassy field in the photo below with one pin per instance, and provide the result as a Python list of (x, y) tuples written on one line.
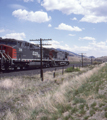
[(78, 95)]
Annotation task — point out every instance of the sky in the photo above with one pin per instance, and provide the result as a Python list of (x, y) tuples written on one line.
[(79, 26)]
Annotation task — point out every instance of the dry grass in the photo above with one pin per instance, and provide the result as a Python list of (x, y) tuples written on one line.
[(28, 97)]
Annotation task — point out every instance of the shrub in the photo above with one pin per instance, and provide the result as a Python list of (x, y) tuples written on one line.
[(71, 69), (106, 114)]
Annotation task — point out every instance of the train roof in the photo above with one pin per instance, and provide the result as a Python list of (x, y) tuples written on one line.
[(15, 40), (10, 39)]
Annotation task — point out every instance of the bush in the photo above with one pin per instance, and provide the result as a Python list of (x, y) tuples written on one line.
[(71, 69), (96, 62)]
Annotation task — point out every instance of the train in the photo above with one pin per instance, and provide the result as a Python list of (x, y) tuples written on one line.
[(22, 54)]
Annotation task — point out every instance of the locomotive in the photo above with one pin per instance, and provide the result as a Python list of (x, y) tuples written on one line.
[(22, 54)]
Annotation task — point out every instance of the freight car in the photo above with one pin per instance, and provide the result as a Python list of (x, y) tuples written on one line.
[(22, 54)]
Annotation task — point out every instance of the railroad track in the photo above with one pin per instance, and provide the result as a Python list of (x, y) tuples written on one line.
[(33, 71)]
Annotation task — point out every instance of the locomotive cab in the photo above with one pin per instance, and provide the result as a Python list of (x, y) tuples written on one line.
[(8, 51)]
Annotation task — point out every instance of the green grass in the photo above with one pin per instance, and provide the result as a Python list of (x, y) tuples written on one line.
[(106, 114), (79, 100), (93, 104), (71, 69), (92, 112), (82, 111), (74, 110), (81, 106), (44, 118), (105, 108)]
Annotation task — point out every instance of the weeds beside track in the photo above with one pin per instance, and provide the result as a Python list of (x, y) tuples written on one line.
[(76, 95)]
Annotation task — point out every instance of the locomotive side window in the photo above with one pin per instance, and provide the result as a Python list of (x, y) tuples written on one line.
[(11, 43), (31, 45), (2, 42), (8, 42), (26, 44), (1, 47), (14, 43), (66, 55), (20, 43), (4, 47)]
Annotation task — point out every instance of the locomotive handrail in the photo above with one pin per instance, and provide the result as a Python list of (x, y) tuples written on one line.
[(3, 55), (7, 56)]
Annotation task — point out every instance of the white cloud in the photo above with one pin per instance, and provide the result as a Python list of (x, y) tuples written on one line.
[(74, 18), (17, 6), (2, 30), (87, 38), (38, 16), (28, 0), (18, 36), (94, 48), (94, 19), (56, 44), (101, 45), (49, 25), (53, 42), (71, 34), (63, 26), (93, 11)]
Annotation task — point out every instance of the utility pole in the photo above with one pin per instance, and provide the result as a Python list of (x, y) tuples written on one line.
[(41, 70), (82, 59), (41, 66), (91, 61)]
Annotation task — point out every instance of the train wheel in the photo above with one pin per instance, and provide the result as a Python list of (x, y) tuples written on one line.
[(1, 67), (6, 67), (15, 68), (26, 67), (47, 65), (44, 66), (21, 68)]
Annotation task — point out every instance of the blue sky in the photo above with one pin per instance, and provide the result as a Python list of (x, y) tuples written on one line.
[(76, 25)]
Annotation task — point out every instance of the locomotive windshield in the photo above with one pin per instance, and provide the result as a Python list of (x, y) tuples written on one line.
[(8, 42), (2, 42)]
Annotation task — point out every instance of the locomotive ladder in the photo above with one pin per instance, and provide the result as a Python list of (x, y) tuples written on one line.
[(2, 55), (3, 58), (8, 57), (8, 61), (5, 61)]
